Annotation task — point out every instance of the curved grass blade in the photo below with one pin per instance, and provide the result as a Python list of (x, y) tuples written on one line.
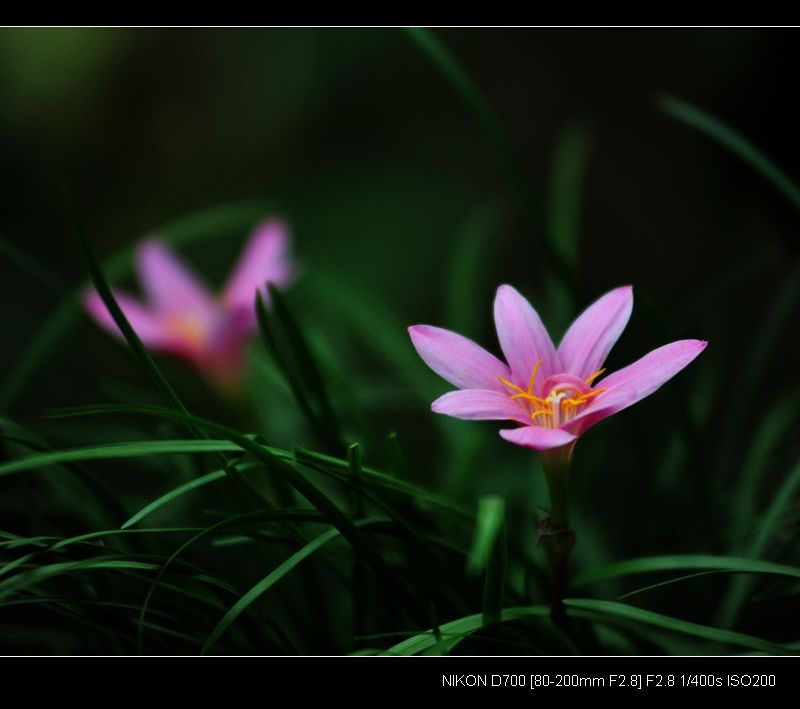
[(655, 564), (108, 506), (777, 422), (569, 168), (375, 326), (110, 451), (46, 341), (639, 615), (456, 630), (20, 581), (273, 577), (753, 370), (172, 495), (89, 536), (737, 594), (563, 220), (104, 291), (724, 134), (467, 273), (216, 221), (329, 465), (227, 523), (669, 582), (489, 524), (339, 469), (300, 483), (469, 92), (31, 266), (497, 560), (293, 356)]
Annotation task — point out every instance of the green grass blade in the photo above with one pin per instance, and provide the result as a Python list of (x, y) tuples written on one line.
[(725, 135), (706, 632), (44, 344), (327, 464), (494, 584), (293, 356), (301, 483), (40, 574), (109, 451), (222, 525), (455, 75), (468, 271), (104, 291), (688, 562), (736, 597), (172, 495), (569, 168), (272, 578), (668, 582), (754, 369), (338, 468), (489, 524), (89, 536), (214, 222), (778, 421), (456, 630)]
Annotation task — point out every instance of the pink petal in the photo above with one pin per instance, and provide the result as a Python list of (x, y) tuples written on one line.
[(636, 381), (538, 437), (590, 338), (146, 324), (479, 405), (169, 285), (588, 341), (523, 337), (458, 360), (264, 259)]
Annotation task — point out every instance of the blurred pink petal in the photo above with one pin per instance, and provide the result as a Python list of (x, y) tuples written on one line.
[(182, 317), (538, 437), (148, 327), (264, 260), (457, 359), (523, 338), (479, 405), (170, 286), (590, 338)]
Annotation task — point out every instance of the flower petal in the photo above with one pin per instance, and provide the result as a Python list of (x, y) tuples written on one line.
[(479, 405), (636, 381), (457, 359), (150, 329), (169, 285), (538, 437), (523, 337), (588, 341), (264, 259)]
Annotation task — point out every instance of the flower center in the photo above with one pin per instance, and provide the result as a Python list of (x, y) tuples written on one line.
[(191, 330), (561, 397)]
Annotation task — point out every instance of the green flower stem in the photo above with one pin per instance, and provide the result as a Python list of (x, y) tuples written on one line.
[(555, 528)]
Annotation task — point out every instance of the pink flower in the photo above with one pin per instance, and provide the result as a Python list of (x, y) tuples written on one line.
[(181, 317), (556, 395)]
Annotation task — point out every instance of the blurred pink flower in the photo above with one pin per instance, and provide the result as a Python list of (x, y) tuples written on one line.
[(182, 317), (553, 393)]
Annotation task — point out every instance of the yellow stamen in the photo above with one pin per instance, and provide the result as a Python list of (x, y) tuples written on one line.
[(505, 381), (594, 376), (533, 375), (530, 397)]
